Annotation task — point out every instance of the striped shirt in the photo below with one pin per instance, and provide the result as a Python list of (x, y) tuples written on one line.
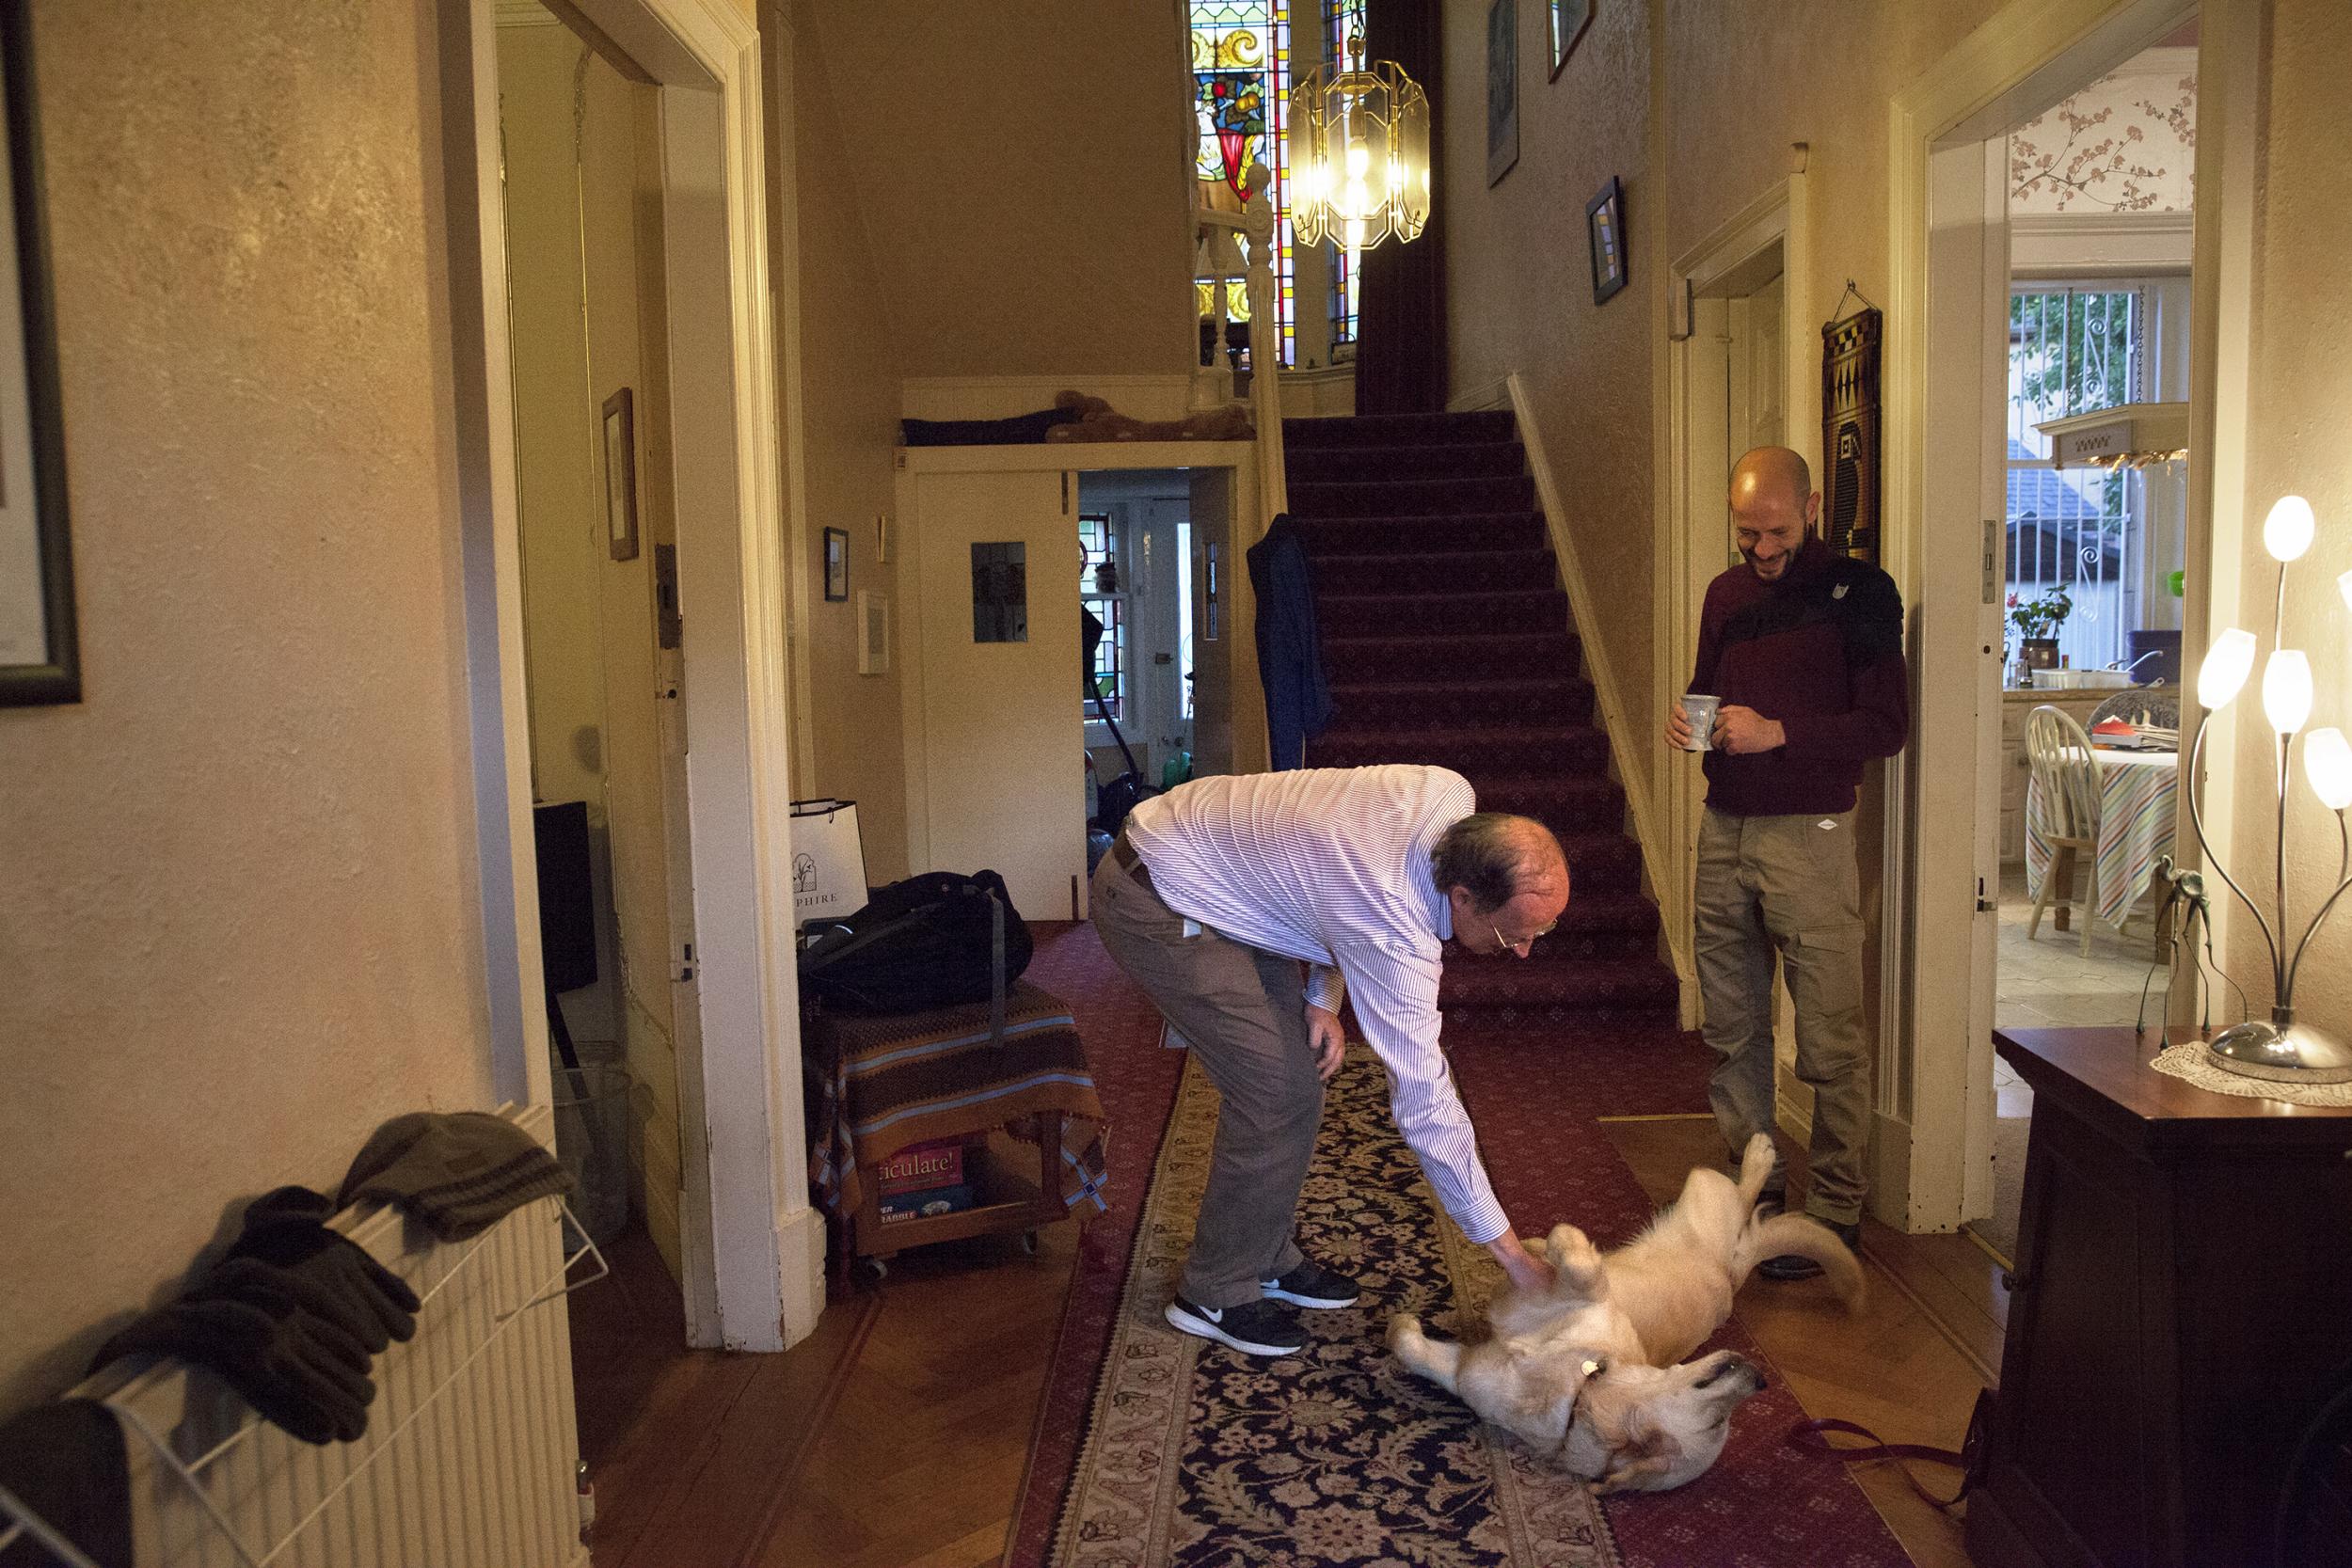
[(1331, 867)]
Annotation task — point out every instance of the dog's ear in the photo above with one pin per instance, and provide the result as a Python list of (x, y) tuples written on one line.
[(1646, 1453)]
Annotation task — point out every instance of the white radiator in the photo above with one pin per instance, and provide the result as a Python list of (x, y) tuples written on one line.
[(471, 1454)]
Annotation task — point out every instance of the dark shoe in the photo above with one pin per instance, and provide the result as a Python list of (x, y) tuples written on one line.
[(1252, 1327), (1789, 1266), (1311, 1285)]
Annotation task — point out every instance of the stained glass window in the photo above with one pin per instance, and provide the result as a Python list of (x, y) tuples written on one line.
[(1343, 19), (1241, 79)]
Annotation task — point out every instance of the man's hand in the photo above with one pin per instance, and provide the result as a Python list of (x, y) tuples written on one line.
[(1526, 1271), (1678, 727), (1327, 1040), (1742, 730)]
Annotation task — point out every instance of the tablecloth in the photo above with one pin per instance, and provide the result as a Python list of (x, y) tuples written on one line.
[(2135, 811), (886, 1081)]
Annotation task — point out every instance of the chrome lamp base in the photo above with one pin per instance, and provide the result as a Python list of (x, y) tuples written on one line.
[(2284, 1052)]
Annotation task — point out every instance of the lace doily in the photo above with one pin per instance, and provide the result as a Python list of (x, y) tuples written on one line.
[(2187, 1060)]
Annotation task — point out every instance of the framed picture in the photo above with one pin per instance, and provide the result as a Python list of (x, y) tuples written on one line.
[(620, 475), (1502, 87), (837, 565), (1569, 17), (1605, 216), (40, 651)]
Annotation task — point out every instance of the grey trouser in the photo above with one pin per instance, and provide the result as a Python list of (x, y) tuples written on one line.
[(1786, 885), (1243, 1011)]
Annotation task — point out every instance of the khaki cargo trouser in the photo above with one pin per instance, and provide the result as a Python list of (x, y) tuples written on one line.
[(1786, 886), (1244, 1013)]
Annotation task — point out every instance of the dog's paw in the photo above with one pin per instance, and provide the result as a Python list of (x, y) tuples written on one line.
[(1571, 1251), (1404, 1329)]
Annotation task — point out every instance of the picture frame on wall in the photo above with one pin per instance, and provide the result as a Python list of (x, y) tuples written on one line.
[(620, 475), (39, 643), (1502, 87), (837, 565), (1569, 17), (1604, 215)]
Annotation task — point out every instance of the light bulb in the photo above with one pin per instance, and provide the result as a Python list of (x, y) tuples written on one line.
[(1358, 159), (2287, 690), (1359, 199), (2328, 762), (2287, 532), (1355, 233), (2227, 664)]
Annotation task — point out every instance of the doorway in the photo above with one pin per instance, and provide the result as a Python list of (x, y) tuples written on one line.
[(2097, 359), (1007, 553), (750, 1249), (603, 664), (1949, 535)]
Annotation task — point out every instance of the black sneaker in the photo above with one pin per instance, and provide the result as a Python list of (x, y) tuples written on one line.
[(1311, 1285), (1252, 1327), (1789, 1266)]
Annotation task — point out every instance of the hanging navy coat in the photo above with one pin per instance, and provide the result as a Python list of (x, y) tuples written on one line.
[(1290, 658)]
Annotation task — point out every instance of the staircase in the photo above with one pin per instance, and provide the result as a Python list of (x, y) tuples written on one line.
[(1446, 639)]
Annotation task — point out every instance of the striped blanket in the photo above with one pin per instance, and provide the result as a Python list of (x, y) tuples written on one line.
[(882, 1083)]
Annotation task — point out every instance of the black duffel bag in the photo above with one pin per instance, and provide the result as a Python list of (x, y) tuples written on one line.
[(932, 940)]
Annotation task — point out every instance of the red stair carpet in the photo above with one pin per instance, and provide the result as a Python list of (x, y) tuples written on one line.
[(1446, 638)]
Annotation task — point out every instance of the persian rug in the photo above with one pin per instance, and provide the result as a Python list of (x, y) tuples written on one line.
[(1197, 1455)]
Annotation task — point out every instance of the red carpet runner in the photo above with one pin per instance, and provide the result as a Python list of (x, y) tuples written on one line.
[(1533, 1092), (1446, 639)]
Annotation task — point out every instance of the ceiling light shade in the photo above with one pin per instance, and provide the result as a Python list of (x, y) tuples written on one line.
[(2328, 764), (2287, 532), (2228, 662), (1359, 155), (2287, 690)]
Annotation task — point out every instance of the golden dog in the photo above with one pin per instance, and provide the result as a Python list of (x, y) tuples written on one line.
[(1587, 1373)]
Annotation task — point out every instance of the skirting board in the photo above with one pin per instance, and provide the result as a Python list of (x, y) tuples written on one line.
[(1000, 397)]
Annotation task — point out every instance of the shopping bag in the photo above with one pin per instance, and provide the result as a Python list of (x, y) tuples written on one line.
[(828, 861)]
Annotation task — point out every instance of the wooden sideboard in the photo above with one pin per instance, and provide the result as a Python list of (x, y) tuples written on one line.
[(2182, 1310)]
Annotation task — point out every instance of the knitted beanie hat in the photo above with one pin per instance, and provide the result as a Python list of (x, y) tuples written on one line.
[(459, 1172)]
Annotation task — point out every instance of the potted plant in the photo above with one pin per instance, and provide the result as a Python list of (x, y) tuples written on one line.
[(2037, 621)]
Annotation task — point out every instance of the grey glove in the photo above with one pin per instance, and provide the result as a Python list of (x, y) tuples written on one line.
[(244, 1321), (327, 1274)]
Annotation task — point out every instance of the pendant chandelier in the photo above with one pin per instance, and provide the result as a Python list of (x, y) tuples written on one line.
[(1358, 154)]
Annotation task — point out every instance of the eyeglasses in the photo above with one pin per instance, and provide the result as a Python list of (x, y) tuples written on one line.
[(1522, 946)]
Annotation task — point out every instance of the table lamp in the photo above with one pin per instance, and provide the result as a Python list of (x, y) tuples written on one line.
[(2280, 1048)]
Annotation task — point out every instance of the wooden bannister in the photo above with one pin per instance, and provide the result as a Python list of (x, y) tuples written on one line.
[(1239, 246)]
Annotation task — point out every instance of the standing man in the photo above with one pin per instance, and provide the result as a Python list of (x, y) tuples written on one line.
[(1804, 651), (1212, 899)]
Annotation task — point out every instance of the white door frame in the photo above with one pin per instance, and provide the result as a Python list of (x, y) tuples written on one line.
[(1777, 219), (1935, 1019), (754, 1249)]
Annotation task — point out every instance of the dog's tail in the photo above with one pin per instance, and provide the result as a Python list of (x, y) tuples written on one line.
[(1805, 1237)]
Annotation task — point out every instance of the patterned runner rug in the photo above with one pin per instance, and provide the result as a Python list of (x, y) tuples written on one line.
[(1197, 1455)]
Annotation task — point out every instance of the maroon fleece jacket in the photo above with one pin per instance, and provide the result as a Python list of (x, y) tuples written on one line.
[(1821, 650)]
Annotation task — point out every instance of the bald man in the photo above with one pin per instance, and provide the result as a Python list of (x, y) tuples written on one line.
[(1215, 894), (1804, 650)]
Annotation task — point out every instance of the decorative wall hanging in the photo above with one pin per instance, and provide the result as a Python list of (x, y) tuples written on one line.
[(39, 656), (1850, 429), (1502, 87), (1569, 17), (1604, 215)]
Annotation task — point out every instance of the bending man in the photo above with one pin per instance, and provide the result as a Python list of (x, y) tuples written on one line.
[(1212, 899)]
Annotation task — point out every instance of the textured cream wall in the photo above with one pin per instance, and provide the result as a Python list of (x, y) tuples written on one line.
[(1021, 177), (240, 925), (2297, 412), (850, 372)]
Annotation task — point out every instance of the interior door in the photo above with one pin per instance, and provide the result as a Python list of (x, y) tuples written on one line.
[(1003, 736)]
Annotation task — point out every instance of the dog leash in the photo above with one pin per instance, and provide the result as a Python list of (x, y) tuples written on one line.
[(1812, 1436)]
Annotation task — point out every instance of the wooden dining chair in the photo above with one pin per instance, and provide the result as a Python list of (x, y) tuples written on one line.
[(2066, 776)]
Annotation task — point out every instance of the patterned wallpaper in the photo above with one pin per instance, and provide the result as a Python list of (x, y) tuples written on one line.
[(2127, 143)]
